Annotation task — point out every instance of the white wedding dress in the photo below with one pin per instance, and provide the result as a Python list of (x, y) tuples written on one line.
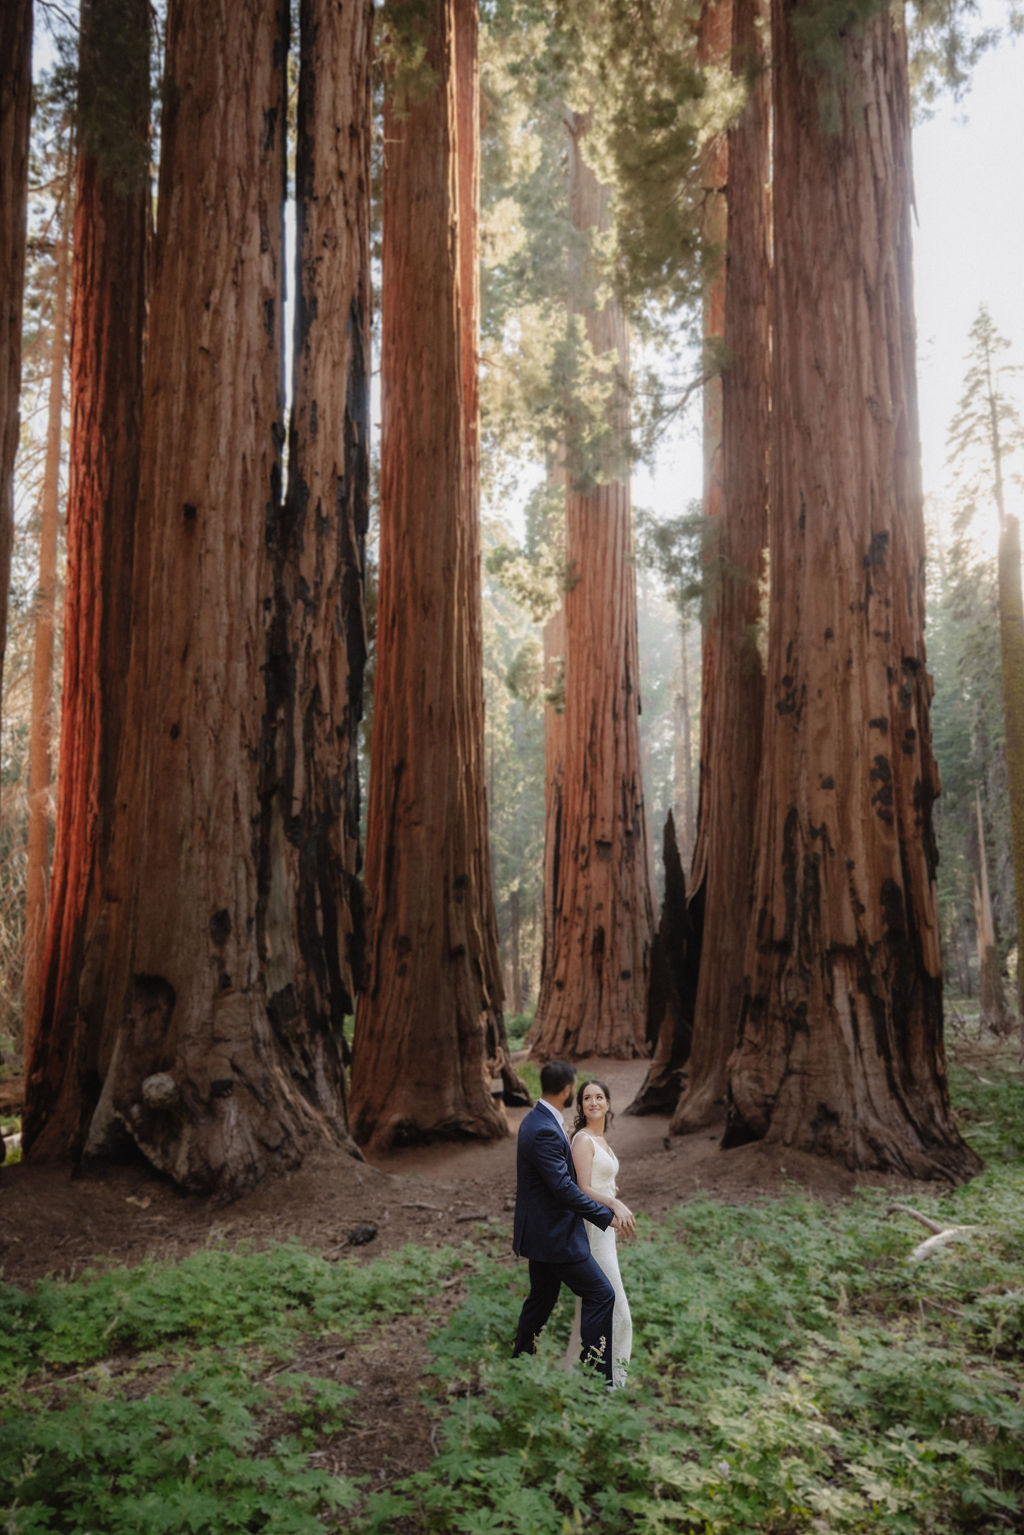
[(603, 1246)]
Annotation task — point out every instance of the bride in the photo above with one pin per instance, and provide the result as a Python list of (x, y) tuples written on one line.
[(597, 1167)]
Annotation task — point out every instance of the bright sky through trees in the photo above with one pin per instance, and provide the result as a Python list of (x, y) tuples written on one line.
[(968, 250)]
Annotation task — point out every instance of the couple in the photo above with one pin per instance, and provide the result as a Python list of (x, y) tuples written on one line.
[(558, 1187)]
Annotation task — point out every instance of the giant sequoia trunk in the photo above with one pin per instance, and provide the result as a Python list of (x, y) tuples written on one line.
[(112, 197), (199, 1048), (15, 115), (312, 928), (733, 686), (841, 1049), (434, 993), (594, 986)]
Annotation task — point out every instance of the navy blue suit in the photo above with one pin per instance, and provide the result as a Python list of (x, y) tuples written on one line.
[(550, 1211)]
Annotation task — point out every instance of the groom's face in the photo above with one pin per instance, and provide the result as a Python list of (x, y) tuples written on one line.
[(569, 1093)]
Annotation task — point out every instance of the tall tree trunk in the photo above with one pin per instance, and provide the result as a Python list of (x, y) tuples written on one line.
[(734, 700), (199, 1055), (990, 986), (434, 988), (40, 756), (554, 796), (108, 320), (841, 1050), (312, 914), (594, 988), (685, 798), (15, 115), (1011, 643), (470, 612)]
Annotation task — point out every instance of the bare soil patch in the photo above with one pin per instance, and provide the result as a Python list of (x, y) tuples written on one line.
[(57, 1221)]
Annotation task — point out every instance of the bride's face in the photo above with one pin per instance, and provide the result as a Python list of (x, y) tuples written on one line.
[(595, 1104)]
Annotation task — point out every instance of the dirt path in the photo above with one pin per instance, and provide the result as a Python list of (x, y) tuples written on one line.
[(56, 1222)]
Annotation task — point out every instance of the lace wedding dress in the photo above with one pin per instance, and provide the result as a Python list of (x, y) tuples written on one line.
[(603, 1174)]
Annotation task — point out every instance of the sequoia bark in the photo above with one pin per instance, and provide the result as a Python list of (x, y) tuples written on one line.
[(594, 985), (198, 1049), (432, 1009), (841, 1048), (108, 321)]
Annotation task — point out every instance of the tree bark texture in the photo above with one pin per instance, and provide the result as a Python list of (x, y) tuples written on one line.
[(734, 681), (841, 1050), (434, 991), (554, 794), (40, 769), (312, 923), (1011, 644), (108, 322), (196, 1053), (672, 992), (593, 993), (15, 115), (990, 986)]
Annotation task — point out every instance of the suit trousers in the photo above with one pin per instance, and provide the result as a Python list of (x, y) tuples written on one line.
[(585, 1279)]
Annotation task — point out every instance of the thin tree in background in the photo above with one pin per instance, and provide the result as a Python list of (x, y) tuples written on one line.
[(594, 987), (990, 986), (15, 118), (841, 1047), (983, 438), (108, 321), (434, 987), (40, 772)]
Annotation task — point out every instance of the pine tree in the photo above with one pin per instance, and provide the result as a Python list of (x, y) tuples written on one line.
[(984, 436)]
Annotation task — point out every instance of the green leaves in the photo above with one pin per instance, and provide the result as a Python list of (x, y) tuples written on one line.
[(792, 1372)]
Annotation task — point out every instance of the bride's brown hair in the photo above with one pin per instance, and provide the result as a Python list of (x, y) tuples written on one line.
[(580, 1122)]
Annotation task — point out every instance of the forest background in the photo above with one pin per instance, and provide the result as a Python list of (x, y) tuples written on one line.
[(794, 1361), (522, 569), (969, 250)]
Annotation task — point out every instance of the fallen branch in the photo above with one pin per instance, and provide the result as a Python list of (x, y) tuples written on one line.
[(941, 1235), (925, 1220)]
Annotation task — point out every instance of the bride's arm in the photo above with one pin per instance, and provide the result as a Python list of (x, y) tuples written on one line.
[(583, 1161)]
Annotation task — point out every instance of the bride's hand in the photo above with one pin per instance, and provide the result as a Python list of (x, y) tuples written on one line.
[(625, 1221)]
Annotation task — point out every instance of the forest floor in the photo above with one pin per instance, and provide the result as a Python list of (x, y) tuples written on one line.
[(58, 1223)]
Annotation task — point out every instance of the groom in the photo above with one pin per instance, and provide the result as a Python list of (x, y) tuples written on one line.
[(550, 1211)]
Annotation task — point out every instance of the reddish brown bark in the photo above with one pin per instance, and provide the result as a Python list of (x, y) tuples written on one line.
[(185, 997), (841, 1049), (733, 687), (594, 984), (554, 791), (15, 113), (434, 992), (109, 269), (312, 914), (40, 770)]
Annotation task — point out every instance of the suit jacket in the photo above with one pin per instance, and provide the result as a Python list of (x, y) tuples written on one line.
[(550, 1205)]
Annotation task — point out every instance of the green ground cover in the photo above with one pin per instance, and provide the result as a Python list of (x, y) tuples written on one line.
[(794, 1370)]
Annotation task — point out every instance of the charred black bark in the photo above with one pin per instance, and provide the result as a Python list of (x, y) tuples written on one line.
[(673, 989)]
